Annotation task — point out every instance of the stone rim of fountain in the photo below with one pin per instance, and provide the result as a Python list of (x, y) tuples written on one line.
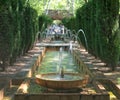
[(62, 84)]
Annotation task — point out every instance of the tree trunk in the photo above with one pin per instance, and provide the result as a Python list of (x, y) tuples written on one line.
[(86, 1)]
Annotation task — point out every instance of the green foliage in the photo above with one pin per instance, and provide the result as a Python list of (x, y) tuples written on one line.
[(5, 31), (70, 23), (18, 29), (100, 22), (31, 23), (19, 24), (38, 5), (44, 21)]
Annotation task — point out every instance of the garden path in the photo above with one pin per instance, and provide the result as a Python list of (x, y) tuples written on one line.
[(101, 70)]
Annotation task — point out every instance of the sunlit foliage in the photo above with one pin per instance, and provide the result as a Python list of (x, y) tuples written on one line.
[(43, 5), (100, 21)]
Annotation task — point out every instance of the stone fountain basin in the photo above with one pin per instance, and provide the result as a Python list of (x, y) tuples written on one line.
[(47, 80)]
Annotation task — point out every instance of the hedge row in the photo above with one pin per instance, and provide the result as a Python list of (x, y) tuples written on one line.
[(19, 25), (100, 22)]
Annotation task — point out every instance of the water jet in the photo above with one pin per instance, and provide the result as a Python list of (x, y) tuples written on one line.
[(62, 80)]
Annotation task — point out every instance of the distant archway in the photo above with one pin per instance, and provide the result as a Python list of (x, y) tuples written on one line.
[(58, 14), (59, 11)]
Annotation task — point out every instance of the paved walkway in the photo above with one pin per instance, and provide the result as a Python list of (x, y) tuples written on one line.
[(22, 63), (21, 69), (101, 71), (100, 67)]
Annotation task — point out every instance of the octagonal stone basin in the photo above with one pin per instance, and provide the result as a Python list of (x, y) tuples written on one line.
[(54, 81)]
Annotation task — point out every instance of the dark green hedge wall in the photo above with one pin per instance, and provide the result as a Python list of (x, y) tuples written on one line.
[(44, 21), (5, 31), (70, 23), (18, 30), (100, 21)]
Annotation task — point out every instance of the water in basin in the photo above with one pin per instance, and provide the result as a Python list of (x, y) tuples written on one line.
[(59, 71), (50, 63), (67, 77)]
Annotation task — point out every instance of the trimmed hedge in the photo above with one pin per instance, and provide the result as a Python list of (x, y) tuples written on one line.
[(44, 22), (100, 21), (19, 27), (18, 30)]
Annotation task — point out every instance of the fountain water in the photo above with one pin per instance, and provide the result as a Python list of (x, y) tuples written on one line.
[(71, 47), (73, 35), (60, 60), (63, 80), (80, 30)]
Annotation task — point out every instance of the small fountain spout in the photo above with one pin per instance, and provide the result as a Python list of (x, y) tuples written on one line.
[(61, 72), (80, 30), (70, 47)]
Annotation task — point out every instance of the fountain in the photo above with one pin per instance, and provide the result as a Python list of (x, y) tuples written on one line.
[(69, 81), (62, 80), (65, 83), (70, 46), (80, 30), (61, 67)]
